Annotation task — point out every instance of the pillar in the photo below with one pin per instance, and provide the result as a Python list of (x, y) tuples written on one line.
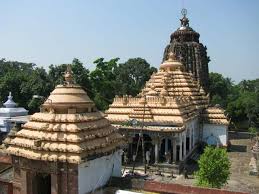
[(156, 152), (54, 184), (190, 140), (166, 145), (181, 149), (193, 141), (184, 145), (24, 182), (174, 150)]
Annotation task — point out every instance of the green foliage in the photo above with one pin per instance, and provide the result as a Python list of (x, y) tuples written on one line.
[(253, 131), (241, 101), (23, 80), (110, 79), (214, 168), (132, 75), (219, 88), (103, 80)]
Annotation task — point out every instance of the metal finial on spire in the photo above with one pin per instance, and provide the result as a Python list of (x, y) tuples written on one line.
[(184, 20), (184, 12), (69, 75)]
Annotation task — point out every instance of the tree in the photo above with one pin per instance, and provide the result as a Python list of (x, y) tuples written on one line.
[(214, 168), (103, 80), (245, 107), (132, 75), (219, 89)]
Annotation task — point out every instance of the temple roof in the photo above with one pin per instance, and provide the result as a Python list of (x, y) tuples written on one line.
[(215, 115), (169, 98), (10, 109), (68, 129)]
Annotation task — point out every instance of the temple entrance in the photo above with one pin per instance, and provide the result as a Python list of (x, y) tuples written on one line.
[(42, 183), (166, 148), (147, 146)]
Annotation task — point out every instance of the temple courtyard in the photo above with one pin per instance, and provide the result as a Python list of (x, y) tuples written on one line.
[(239, 154)]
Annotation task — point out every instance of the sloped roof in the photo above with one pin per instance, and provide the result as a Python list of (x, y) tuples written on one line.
[(68, 129), (215, 115), (169, 98)]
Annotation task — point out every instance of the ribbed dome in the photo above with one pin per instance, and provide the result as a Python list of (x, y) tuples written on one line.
[(68, 96), (185, 32), (171, 63)]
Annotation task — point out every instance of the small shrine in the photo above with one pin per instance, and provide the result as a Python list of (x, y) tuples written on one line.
[(171, 115), (10, 114), (68, 147)]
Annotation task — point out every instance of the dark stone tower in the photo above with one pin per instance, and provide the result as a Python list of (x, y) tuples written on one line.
[(193, 54)]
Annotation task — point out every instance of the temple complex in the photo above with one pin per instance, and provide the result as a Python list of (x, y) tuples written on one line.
[(68, 147), (171, 115), (184, 42)]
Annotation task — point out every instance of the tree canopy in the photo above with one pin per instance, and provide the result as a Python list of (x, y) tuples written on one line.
[(214, 168), (241, 101), (109, 78)]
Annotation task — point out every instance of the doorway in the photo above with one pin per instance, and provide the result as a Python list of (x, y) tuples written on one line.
[(42, 183)]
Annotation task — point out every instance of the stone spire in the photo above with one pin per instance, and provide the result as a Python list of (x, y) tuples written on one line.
[(185, 42), (10, 103)]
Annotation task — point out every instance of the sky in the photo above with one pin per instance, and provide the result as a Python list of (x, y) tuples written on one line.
[(54, 32)]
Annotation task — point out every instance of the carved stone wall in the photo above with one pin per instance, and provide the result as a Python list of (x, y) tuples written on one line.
[(64, 176)]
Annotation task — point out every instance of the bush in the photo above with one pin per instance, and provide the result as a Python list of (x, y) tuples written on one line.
[(214, 168)]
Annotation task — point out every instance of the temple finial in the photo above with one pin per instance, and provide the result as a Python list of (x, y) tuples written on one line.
[(184, 20), (184, 12), (10, 103), (68, 75)]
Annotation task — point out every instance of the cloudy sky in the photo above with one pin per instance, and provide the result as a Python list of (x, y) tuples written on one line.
[(53, 32)]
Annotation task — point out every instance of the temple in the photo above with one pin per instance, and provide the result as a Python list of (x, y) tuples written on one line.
[(10, 114), (170, 116), (68, 147), (184, 42)]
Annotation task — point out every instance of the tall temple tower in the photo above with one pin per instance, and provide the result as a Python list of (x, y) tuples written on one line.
[(193, 54)]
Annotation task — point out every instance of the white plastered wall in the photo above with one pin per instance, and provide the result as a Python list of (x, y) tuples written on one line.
[(96, 173), (214, 134)]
